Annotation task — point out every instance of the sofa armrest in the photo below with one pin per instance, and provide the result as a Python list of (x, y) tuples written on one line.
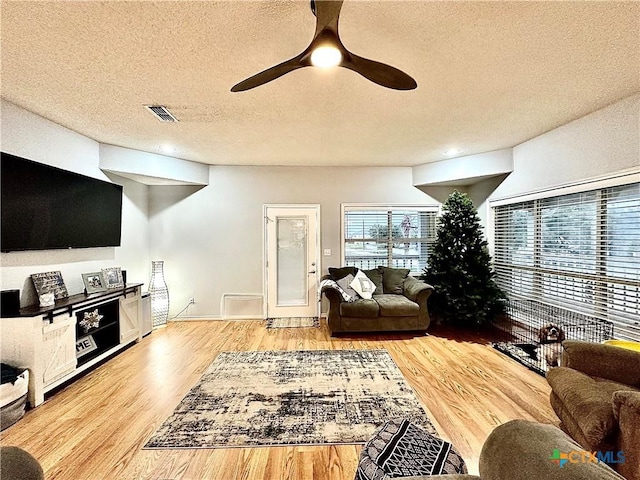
[(626, 408), (332, 294), (335, 299), (522, 450), (412, 287), (605, 361)]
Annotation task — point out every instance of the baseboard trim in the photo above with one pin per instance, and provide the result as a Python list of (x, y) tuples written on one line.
[(213, 318), (218, 318)]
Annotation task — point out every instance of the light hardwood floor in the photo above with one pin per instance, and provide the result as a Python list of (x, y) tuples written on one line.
[(96, 427)]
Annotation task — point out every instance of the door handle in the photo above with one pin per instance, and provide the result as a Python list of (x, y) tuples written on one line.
[(312, 271)]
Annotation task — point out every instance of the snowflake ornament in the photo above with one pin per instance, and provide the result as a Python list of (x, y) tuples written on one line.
[(91, 320)]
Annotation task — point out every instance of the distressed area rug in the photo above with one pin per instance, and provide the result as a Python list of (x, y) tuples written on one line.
[(291, 398), (293, 322)]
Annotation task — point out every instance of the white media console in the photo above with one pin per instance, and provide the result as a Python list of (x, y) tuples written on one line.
[(55, 347)]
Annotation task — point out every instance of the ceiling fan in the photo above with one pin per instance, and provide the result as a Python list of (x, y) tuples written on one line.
[(326, 50)]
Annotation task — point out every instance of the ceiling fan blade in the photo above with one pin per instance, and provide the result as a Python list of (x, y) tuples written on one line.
[(327, 13), (270, 74), (379, 73)]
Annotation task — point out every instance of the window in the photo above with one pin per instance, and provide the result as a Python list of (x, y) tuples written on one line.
[(398, 237), (579, 251)]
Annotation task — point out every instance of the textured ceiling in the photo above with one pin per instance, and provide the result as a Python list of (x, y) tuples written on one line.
[(490, 75)]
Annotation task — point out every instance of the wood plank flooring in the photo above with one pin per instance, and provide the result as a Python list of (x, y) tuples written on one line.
[(96, 427)]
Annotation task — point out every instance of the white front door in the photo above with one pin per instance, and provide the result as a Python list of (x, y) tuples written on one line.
[(291, 246)]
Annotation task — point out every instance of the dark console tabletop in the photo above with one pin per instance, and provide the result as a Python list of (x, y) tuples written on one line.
[(75, 300)]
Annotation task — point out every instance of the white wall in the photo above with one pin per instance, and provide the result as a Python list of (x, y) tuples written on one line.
[(464, 170), (211, 238), (33, 137), (599, 144), (161, 169)]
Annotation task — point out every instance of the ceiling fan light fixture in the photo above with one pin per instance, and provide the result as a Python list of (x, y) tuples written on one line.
[(325, 51), (326, 57)]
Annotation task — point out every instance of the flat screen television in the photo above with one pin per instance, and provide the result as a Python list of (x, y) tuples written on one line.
[(44, 207)]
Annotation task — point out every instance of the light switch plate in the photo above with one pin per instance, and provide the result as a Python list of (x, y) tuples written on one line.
[(327, 252)]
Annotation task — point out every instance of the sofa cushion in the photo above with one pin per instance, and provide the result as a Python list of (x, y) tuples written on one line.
[(345, 284), (363, 285), (359, 308), (589, 402), (604, 361), (338, 273), (393, 279), (375, 275), (396, 305)]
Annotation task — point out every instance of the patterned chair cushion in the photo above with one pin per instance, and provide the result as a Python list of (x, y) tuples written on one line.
[(401, 449)]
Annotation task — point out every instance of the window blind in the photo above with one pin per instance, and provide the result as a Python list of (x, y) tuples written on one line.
[(579, 251), (387, 236)]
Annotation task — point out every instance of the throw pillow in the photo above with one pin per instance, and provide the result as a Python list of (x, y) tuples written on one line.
[(363, 285), (375, 275), (333, 285), (400, 449), (393, 279), (345, 284), (338, 273)]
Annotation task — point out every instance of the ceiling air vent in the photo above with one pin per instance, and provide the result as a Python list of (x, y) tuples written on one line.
[(161, 113)]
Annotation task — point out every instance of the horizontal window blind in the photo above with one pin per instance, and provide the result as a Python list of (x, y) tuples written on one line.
[(579, 251), (398, 238)]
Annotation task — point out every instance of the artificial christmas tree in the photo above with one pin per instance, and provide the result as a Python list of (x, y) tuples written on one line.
[(459, 268)]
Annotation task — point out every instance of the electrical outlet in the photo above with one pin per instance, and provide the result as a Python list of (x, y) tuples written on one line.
[(192, 301)]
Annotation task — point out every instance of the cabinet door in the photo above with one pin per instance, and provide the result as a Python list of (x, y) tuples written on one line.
[(59, 348), (129, 319)]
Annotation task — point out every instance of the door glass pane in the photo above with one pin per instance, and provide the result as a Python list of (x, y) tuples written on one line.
[(292, 260)]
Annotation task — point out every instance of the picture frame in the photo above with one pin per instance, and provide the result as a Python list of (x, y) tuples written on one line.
[(112, 278), (50, 282), (93, 282)]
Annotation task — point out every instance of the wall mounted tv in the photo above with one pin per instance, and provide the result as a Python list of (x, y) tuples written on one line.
[(44, 207)]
